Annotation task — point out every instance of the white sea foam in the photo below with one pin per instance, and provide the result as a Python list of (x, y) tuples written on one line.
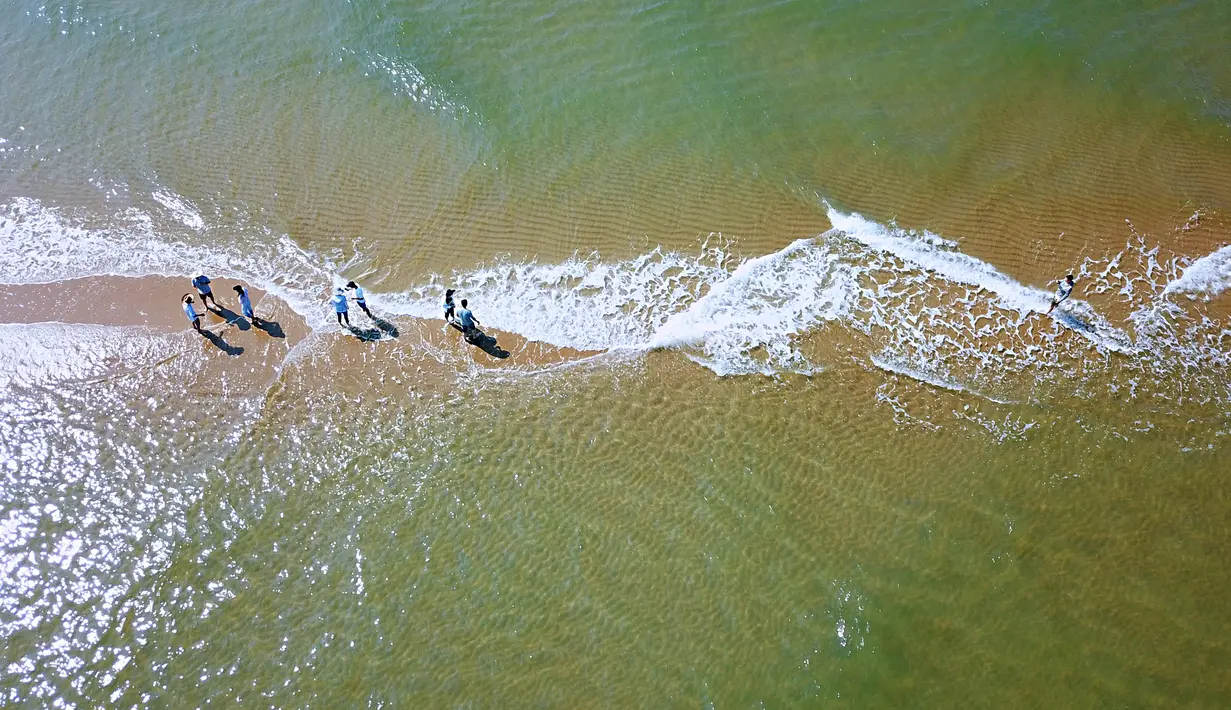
[(180, 209), (927, 310), (1209, 276), (758, 307), (44, 245), (408, 81), (930, 308), (915, 373), (939, 256)]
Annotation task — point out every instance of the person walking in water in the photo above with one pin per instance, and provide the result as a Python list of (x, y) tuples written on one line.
[(1063, 291), (467, 321), (245, 304), (191, 312), (201, 284), (339, 307), (359, 299), (449, 305)]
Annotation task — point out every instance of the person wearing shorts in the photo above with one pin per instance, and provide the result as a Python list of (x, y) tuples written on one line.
[(467, 321), (449, 312), (201, 284)]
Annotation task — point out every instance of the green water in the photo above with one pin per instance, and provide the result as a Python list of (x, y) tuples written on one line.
[(392, 524)]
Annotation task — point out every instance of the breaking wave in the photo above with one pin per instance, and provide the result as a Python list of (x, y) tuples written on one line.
[(1209, 276), (916, 304)]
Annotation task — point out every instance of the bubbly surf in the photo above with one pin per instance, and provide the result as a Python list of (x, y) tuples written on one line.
[(931, 312)]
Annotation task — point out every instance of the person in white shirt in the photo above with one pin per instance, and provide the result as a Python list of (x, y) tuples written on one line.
[(1063, 291), (359, 298), (450, 311)]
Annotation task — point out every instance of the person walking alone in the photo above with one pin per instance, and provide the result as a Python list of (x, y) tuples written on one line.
[(1063, 291)]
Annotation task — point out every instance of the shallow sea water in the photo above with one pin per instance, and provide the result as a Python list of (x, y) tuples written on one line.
[(792, 432)]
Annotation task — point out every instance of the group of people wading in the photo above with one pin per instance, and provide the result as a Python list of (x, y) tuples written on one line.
[(461, 318), (210, 303)]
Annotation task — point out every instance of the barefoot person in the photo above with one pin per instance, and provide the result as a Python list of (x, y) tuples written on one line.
[(339, 307), (360, 299), (201, 284), (191, 312), (466, 320), (1063, 291), (449, 305), (245, 304)]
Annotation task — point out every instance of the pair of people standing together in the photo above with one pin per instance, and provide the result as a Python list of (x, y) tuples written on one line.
[(210, 303), (463, 319), (340, 303)]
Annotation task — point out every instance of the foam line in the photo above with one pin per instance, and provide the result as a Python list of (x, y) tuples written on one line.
[(928, 378), (1209, 276), (932, 253), (43, 246), (912, 295), (938, 256)]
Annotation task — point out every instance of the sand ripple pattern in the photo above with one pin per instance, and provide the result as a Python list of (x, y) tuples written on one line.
[(907, 302)]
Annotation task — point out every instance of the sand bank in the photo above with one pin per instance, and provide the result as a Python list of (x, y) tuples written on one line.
[(235, 356)]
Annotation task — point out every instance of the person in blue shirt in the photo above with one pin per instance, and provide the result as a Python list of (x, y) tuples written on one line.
[(359, 298), (191, 312), (1063, 291), (201, 284), (339, 307), (466, 320), (245, 304)]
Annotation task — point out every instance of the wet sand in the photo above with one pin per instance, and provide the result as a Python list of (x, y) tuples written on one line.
[(235, 356)]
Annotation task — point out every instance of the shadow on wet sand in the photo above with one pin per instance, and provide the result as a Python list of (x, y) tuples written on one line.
[(221, 344), (386, 327), (271, 327), (231, 317), (486, 343)]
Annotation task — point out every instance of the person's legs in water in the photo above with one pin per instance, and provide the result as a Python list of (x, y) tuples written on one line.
[(339, 317), (364, 306), (196, 324), (346, 317)]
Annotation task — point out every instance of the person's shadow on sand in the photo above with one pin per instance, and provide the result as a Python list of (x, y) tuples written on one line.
[(270, 327), (221, 344), (487, 344), (1073, 321), (231, 317), (386, 327), (367, 335)]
